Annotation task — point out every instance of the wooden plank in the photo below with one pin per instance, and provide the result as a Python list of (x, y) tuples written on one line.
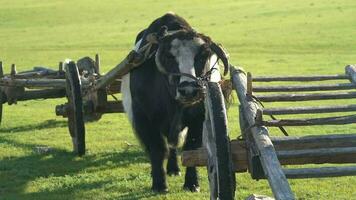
[(13, 71), (199, 157), (41, 72), (112, 107), (41, 83), (114, 87), (313, 141), (283, 144), (1, 70), (303, 153), (300, 88), (306, 97), (97, 63), (60, 67), (320, 172), (42, 94), (240, 161), (348, 119), (268, 156), (239, 158), (299, 78), (308, 110)]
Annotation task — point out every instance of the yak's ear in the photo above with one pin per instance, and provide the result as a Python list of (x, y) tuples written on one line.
[(163, 31)]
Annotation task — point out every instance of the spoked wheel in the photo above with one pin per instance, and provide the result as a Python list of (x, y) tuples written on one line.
[(75, 109), (217, 143)]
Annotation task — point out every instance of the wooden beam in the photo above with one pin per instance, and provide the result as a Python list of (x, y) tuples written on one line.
[(316, 143), (97, 63), (320, 172), (299, 78), (114, 87), (13, 71), (112, 107), (60, 67), (313, 141), (42, 94), (39, 74), (199, 157), (132, 60), (41, 83), (306, 97), (1, 70), (299, 88), (303, 153), (268, 156), (349, 119), (308, 110)]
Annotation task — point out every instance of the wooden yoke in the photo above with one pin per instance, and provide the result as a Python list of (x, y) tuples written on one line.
[(132, 60)]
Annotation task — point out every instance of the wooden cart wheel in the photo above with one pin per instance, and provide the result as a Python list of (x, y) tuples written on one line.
[(75, 109), (217, 143)]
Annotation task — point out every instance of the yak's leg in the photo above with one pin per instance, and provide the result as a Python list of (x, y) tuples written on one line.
[(172, 164), (193, 141), (157, 152), (156, 148)]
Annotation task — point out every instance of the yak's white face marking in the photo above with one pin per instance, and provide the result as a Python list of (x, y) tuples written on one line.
[(184, 52)]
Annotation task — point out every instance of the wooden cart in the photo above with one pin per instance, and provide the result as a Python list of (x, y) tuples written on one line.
[(263, 156), (87, 90)]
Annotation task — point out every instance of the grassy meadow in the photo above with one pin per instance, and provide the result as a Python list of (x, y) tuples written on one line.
[(265, 37)]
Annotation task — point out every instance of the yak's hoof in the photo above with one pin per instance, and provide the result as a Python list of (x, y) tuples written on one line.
[(160, 189), (173, 173), (191, 188)]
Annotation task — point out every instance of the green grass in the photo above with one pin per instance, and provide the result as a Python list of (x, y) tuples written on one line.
[(265, 37)]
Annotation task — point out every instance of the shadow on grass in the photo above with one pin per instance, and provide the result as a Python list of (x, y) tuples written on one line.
[(42, 125), (67, 192), (18, 172)]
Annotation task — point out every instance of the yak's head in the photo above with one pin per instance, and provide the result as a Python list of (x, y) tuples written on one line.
[(187, 56)]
